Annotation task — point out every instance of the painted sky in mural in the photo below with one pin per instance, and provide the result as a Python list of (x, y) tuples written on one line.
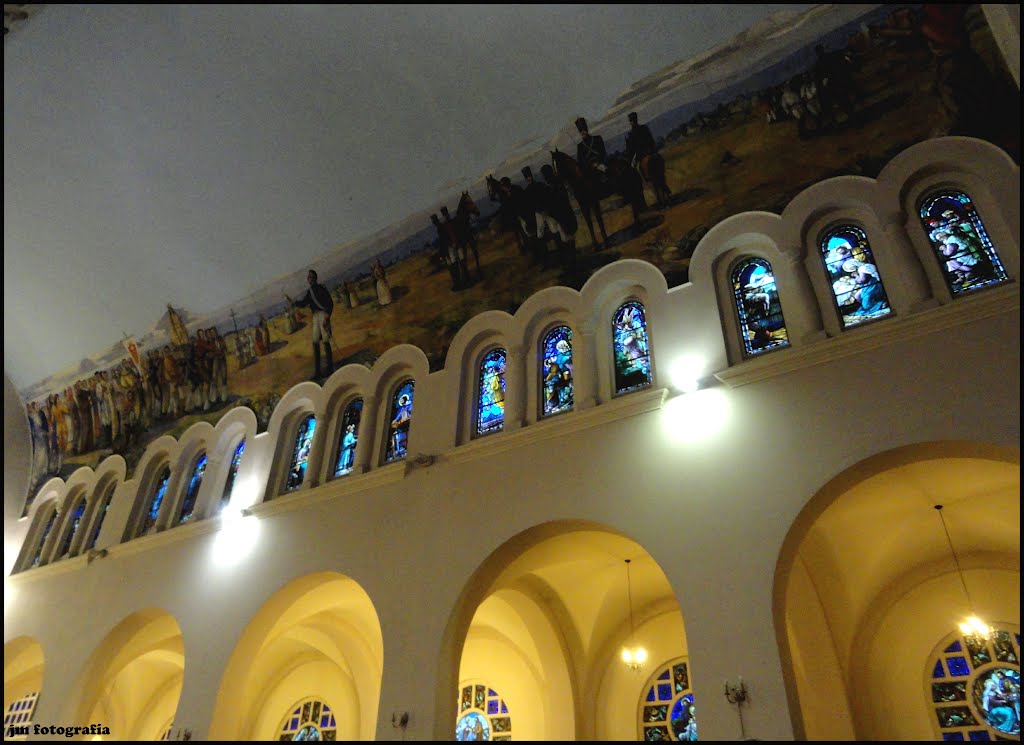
[(745, 126)]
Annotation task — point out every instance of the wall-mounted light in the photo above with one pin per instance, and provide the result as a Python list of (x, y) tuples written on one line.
[(686, 373), (736, 694)]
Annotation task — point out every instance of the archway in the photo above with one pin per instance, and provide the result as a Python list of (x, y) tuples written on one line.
[(132, 680), (538, 632), (314, 647), (867, 588)]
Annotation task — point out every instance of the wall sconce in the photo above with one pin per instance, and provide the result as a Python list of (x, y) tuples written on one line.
[(95, 554), (737, 694)]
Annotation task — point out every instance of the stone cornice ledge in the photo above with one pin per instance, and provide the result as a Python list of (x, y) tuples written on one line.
[(339, 487), (618, 408), (992, 302)]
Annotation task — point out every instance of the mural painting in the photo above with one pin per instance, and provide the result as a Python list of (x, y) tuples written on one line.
[(646, 181)]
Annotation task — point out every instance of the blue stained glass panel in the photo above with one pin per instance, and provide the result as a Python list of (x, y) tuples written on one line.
[(632, 354), (953, 736), (762, 327), (325, 720), (684, 719), (856, 284), (664, 692), (954, 647), (664, 675), (556, 370), (349, 438), (492, 706), (188, 505), (491, 394), (491, 692), (962, 246), (504, 709), (300, 457), (76, 520), (650, 694), (979, 735), (42, 539), (229, 485), (158, 498), (938, 672), (958, 666), (401, 418)]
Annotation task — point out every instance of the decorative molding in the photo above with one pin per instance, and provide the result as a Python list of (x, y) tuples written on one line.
[(339, 487), (994, 301)]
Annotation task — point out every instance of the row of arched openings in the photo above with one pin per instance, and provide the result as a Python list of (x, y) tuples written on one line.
[(955, 231)]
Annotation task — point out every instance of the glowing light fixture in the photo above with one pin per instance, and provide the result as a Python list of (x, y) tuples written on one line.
[(634, 656), (972, 627)]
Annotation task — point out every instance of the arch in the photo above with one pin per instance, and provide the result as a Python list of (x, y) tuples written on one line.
[(23, 679), (556, 371), (132, 680), (102, 498), (237, 451), (302, 446), (489, 401), (77, 505), (542, 620), (865, 583), (150, 499), (399, 421), (190, 497), (344, 459), (857, 291), (758, 309), (317, 636), (632, 358), (39, 536)]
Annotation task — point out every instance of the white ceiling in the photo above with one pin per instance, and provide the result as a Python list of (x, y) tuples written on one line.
[(190, 154)]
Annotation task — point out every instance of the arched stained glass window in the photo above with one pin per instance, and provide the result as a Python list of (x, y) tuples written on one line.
[(72, 528), (667, 711), (490, 409), (236, 459), (399, 421), (159, 492), (188, 504), (481, 714), (41, 543), (311, 719), (101, 515), (632, 355), (857, 287), (762, 326), (965, 252), (556, 370), (349, 438), (975, 687), (300, 454)]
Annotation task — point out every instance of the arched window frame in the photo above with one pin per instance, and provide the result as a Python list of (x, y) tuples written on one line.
[(833, 271), (46, 519), (955, 674), (341, 440), (64, 547), (101, 507), (390, 417), (160, 481), (308, 711), (479, 428), (773, 307), (665, 691), (648, 352), (191, 484), (297, 442), (542, 355), (237, 452), (479, 699), (931, 224)]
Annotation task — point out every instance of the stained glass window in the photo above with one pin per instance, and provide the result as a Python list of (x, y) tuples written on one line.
[(556, 370), (159, 492), (632, 355), (762, 326), (19, 714), (965, 252), (349, 438), (300, 456), (101, 515), (311, 719), (188, 504), (667, 711), (236, 459), (398, 424), (41, 543), (490, 410), (72, 528), (975, 687), (857, 287), (481, 714)]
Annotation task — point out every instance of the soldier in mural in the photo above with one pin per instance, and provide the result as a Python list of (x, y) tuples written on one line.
[(318, 300)]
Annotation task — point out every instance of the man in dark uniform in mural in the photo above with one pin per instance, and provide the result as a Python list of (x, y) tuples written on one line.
[(590, 152), (639, 141), (318, 299)]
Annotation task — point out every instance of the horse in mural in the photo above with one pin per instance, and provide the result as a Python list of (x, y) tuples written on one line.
[(652, 169), (586, 189), (509, 221), (464, 228)]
